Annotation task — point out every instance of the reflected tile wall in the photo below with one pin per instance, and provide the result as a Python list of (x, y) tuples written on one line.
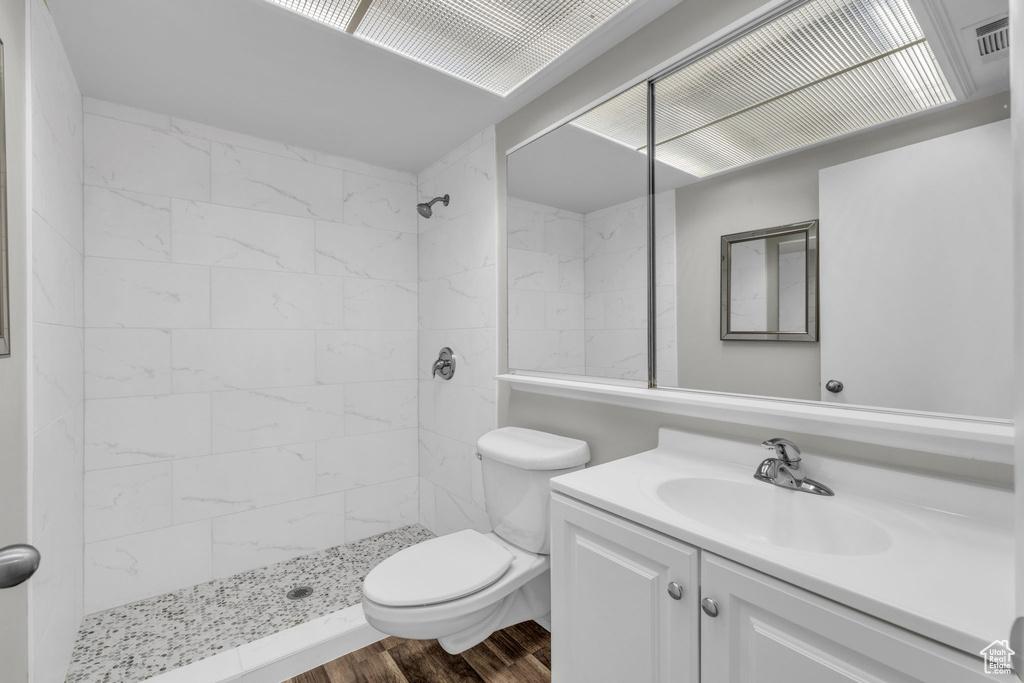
[(748, 305), (577, 293), (250, 352), (457, 308), (615, 279), (55, 592), (545, 288), (793, 291)]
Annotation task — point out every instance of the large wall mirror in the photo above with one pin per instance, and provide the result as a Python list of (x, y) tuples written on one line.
[(881, 123), (578, 246)]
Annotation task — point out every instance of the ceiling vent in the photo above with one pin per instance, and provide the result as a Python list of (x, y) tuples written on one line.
[(993, 38)]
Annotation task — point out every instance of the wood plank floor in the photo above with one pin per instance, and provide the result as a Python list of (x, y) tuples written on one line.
[(517, 654)]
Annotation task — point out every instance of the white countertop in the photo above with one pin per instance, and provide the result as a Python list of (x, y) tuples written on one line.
[(948, 573)]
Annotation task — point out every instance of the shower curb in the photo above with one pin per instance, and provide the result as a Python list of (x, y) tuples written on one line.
[(282, 655)]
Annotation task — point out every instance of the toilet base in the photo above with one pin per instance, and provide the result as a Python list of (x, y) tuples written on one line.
[(531, 601)]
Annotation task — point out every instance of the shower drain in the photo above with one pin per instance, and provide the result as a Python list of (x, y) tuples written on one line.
[(300, 593)]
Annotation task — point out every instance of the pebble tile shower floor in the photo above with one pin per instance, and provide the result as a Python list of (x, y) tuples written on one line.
[(146, 638)]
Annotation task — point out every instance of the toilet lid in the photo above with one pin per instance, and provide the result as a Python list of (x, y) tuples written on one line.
[(437, 570)]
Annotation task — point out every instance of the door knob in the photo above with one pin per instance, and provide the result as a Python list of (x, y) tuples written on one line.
[(675, 590), (709, 606), (834, 385), (17, 564)]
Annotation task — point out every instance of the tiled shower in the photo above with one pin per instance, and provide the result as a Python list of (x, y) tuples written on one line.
[(233, 340), (250, 371)]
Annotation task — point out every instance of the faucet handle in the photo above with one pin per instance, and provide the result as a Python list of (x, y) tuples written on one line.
[(784, 448), (445, 364)]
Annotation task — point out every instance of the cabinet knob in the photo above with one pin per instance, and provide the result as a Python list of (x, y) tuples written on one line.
[(709, 606), (675, 590), (834, 385)]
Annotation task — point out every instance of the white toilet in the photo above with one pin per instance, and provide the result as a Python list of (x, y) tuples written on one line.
[(463, 587)]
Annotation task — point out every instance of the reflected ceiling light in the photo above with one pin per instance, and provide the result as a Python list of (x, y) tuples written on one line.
[(622, 119), (494, 44), (825, 69)]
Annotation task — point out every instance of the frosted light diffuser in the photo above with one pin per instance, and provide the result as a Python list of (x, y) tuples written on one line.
[(335, 13), (494, 44), (622, 119), (828, 68)]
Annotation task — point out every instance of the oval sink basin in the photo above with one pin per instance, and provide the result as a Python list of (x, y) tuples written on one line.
[(773, 515)]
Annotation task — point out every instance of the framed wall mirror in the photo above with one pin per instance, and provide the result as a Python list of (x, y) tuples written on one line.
[(770, 284), (887, 136), (5, 317)]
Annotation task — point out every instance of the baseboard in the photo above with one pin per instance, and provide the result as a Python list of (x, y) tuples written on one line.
[(282, 655), (545, 622)]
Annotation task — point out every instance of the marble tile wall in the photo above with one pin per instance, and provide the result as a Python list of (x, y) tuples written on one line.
[(250, 351), (545, 288), (55, 602), (615, 286), (457, 308), (748, 286), (793, 291)]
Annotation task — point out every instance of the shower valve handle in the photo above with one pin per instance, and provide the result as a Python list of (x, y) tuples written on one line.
[(445, 364)]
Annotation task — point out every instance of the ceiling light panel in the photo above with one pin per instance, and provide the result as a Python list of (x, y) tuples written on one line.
[(494, 44), (828, 68), (814, 41), (900, 84), (825, 69), (335, 13), (622, 119)]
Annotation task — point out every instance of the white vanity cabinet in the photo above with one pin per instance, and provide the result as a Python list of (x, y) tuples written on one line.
[(612, 615), (769, 631), (614, 621)]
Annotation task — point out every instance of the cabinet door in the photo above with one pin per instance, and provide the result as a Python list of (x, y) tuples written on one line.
[(613, 618), (768, 631)]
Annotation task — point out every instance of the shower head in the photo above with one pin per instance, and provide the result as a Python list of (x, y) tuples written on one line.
[(425, 209)]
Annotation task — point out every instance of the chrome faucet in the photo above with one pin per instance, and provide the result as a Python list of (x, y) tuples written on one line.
[(786, 470)]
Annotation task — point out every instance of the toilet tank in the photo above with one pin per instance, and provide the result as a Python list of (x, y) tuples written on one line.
[(518, 465)]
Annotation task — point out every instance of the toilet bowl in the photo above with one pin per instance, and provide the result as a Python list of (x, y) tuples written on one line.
[(520, 592), (462, 587)]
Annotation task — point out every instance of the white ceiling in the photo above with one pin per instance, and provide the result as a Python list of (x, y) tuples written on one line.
[(252, 67), (576, 170)]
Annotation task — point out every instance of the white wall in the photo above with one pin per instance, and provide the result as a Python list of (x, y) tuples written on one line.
[(1017, 133), (457, 309), (545, 288), (15, 411), (57, 343), (250, 352)]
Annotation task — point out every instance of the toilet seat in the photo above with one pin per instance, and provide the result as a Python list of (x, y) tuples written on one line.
[(438, 570), (522, 592)]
